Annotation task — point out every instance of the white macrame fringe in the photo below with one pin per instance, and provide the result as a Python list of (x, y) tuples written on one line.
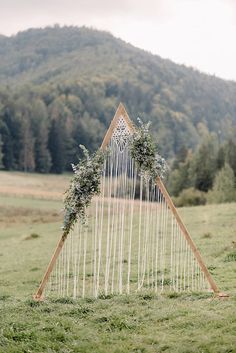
[(130, 244)]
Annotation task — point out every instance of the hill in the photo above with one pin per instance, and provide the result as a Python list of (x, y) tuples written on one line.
[(75, 77)]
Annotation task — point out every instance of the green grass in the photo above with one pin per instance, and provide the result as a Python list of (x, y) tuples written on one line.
[(196, 323)]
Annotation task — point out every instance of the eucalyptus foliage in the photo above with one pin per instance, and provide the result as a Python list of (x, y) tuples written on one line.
[(87, 174), (143, 151), (84, 185)]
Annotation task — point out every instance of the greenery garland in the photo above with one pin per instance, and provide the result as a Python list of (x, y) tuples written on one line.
[(84, 185), (143, 151), (87, 174)]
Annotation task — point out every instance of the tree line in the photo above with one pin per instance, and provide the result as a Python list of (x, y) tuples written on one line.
[(41, 129), (42, 132), (207, 175)]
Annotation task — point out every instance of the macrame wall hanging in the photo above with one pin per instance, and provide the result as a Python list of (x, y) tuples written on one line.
[(134, 239)]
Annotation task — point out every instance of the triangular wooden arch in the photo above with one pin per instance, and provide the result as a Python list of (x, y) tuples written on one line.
[(121, 112)]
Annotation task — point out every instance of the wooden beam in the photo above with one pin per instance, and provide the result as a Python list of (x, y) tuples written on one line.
[(39, 294), (188, 238)]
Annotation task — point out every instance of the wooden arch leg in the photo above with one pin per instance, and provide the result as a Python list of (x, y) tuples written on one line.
[(38, 296), (189, 240)]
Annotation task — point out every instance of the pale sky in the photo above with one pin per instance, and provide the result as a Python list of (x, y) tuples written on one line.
[(198, 33)]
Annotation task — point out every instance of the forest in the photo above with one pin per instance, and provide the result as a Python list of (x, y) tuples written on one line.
[(60, 86), (206, 176)]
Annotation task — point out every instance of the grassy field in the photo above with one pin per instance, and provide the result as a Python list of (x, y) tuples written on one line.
[(30, 221)]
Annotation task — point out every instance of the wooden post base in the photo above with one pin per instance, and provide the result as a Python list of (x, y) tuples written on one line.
[(223, 295), (38, 298)]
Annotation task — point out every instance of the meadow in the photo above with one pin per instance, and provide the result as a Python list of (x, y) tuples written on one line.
[(30, 225)]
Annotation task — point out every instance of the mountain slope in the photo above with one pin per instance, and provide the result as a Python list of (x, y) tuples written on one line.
[(99, 70)]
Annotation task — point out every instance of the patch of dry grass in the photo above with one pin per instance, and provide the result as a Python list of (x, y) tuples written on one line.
[(40, 186), (10, 215)]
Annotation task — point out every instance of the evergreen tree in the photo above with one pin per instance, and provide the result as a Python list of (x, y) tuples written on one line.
[(230, 154), (41, 130), (61, 143), (10, 129), (1, 153), (221, 157), (224, 187), (56, 145), (180, 157), (204, 164), (178, 179), (26, 158)]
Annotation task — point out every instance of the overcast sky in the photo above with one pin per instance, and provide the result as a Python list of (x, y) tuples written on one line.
[(198, 33)]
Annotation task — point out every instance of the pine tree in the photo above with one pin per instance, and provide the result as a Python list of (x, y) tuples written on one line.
[(179, 179), (224, 187), (230, 154), (1, 153), (56, 144), (41, 130), (26, 158), (10, 129), (204, 164)]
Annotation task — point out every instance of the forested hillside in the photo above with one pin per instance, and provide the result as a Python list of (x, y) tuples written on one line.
[(59, 87)]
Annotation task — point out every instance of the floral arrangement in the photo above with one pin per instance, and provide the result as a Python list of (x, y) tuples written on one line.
[(143, 151), (83, 186), (87, 174)]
